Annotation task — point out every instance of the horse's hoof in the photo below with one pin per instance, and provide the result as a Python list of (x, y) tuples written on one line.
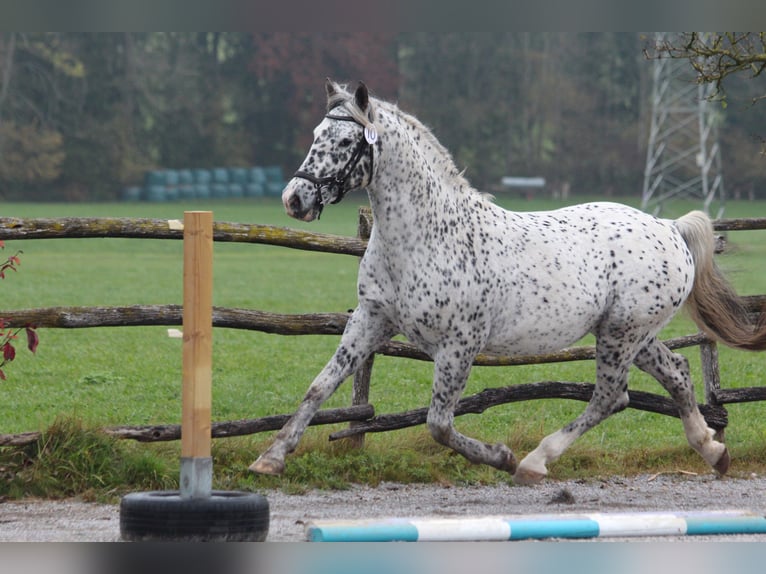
[(722, 466), (267, 466), (502, 458), (526, 477), (510, 464)]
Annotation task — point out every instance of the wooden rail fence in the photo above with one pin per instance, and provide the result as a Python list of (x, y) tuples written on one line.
[(360, 414)]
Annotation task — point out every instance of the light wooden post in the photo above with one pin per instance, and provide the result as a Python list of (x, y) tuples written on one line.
[(197, 373), (711, 375), (361, 389)]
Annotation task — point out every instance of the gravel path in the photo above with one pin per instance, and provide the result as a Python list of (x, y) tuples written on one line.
[(71, 520)]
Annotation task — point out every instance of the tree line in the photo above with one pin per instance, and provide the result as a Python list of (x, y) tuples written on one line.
[(82, 115)]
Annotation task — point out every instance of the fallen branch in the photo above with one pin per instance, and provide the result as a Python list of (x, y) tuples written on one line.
[(159, 433), (715, 416)]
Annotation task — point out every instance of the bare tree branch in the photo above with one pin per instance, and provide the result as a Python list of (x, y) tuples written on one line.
[(716, 55)]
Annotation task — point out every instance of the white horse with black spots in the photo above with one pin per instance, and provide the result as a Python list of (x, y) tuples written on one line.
[(457, 275)]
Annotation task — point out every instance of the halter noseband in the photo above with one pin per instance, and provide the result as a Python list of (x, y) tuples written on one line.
[(339, 179)]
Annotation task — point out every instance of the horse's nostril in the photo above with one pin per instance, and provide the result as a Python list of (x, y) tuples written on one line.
[(294, 203)]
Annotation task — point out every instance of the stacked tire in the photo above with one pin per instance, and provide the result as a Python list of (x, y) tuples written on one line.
[(225, 516)]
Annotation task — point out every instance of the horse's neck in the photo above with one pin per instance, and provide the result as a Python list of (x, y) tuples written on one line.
[(415, 187)]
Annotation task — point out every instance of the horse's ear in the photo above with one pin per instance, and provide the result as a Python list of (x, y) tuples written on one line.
[(362, 97), (329, 87)]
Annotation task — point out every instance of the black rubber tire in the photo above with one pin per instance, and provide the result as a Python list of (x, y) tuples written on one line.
[(222, 517)]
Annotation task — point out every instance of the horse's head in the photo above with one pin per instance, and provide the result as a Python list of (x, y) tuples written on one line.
[(341, 158)]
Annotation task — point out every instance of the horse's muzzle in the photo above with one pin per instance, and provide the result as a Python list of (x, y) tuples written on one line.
[(300, 201)]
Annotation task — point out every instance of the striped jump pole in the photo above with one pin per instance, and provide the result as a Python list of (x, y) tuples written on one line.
[(538, 527)]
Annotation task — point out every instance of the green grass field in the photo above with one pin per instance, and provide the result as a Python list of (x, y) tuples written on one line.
[(115, 376)]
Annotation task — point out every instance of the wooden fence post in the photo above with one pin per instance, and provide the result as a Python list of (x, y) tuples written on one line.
[(711, 376), (361, 389), (196, 460)]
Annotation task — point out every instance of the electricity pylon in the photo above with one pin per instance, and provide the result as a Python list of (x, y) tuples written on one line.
[(683, 159)]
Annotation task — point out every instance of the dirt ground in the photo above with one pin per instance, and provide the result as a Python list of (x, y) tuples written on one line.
[(76, 521)]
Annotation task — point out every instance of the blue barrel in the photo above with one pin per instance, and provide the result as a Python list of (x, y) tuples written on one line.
[(132, 193), (236, 190), (257, 175), (220, 175), (219, 190), (171, 193), (186, 191), (154, 177), (171, 178), (238, 175), (202, 190), (202, 176), (155, 193), (255, 189), (185, 184), (274, 174), (275, 183), (274, 189), (185, 177)]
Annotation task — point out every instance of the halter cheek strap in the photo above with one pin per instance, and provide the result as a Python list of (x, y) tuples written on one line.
[(338, 180)]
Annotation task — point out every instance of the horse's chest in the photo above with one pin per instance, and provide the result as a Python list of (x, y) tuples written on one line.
[(427, 298), (437, 321)]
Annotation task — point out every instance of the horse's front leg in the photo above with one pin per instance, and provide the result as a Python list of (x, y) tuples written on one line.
[(365, 332), (451, 369)]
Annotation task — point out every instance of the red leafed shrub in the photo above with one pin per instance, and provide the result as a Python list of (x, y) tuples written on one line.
[(7, 334)]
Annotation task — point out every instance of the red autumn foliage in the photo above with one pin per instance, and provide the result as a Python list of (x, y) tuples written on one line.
[(9, 352), (8, 335)]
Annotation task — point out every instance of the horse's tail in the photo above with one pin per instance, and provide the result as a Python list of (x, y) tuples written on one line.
[(713, 303)]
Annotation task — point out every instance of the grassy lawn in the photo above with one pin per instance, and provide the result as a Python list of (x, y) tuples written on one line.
[(114, 376)]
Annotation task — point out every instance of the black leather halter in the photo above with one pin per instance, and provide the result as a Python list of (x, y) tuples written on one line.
[(336, 183)]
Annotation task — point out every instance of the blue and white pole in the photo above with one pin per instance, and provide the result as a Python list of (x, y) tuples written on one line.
[(541, 526)]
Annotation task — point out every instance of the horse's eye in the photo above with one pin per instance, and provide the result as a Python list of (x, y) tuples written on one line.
[(345, 142)]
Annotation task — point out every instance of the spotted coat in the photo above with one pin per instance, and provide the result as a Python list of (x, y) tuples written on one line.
[(457, 275)]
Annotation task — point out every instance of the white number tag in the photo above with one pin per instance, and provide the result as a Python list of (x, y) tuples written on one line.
[(370, 134)]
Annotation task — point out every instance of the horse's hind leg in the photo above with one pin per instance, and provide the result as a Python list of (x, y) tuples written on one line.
[(610, 395), (365, 332), (450, 375), (672, 371)]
